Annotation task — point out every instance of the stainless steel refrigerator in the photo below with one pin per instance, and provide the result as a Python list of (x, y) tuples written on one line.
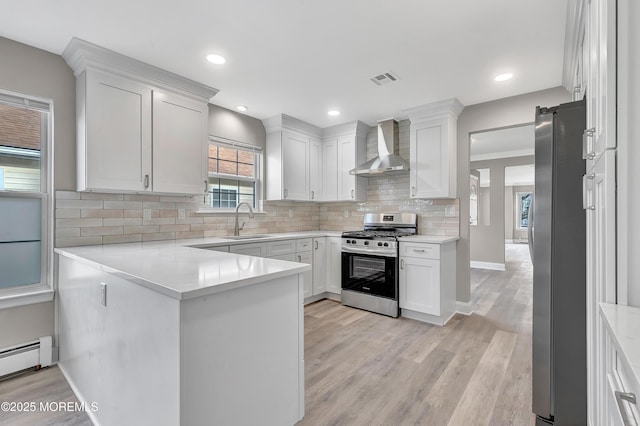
[(559, 268)]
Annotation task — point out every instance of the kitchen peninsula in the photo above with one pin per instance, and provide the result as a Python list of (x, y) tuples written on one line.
[(164, 333)]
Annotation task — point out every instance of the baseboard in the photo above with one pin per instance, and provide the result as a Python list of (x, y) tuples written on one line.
[(36, 353), (464, 308), (87, 405), (488, 265)]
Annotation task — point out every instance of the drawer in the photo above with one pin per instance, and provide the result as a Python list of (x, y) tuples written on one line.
[(629, 384), (304, 244), (291, 257), (258, 250), (421, 250), (278, 248)]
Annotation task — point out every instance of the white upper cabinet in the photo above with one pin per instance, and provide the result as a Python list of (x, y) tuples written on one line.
[(350, 141), (179, 144), (315, 169), (114, 127), (433, 148), (288, 159), (140, 128), (306, 163), (330, 169)]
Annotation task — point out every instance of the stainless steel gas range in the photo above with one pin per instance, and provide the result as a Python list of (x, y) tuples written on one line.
[(370, 262)]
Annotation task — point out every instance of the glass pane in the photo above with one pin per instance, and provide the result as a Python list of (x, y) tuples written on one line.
[(227, 167), (245, 170), (246, 187), (213, 165), (247, 199), (525, 202), (19, 263), (246, 157), (227, 154), (213, 151), (21, 131)]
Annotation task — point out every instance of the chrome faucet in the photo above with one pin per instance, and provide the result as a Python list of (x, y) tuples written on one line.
[(237, 229)]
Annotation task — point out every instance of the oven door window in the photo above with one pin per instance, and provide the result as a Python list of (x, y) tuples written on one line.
[(374, 275)]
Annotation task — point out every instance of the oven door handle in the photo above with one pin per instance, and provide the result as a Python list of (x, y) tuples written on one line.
[(365, 251)]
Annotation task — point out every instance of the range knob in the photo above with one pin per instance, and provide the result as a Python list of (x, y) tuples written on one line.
[(353, 241), (380, 244), (366, 243), (386, 244), (348, 241)]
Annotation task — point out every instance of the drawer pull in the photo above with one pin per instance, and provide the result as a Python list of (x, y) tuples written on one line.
[(629, 397), (419, 250), (401, 263)]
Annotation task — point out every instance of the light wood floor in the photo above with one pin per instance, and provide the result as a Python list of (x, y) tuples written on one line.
[(367, 369)]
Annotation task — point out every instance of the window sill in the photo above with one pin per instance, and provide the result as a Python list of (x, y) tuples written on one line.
[(13, 297)]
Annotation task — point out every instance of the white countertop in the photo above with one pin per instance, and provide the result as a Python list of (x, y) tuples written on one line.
[(433, 239), (623, 323), (179, 270)]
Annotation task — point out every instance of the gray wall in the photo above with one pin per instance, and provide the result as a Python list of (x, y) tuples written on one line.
[(229, 124), (487, 242), (32, 71), (486, 116)]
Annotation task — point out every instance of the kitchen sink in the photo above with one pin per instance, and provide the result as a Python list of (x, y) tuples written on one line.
[(245, 237)]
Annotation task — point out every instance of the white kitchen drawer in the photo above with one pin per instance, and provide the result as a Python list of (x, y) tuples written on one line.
[(421, 250), (291, 257), (278, 248), (258, 249), (304, 244), (629, 385)]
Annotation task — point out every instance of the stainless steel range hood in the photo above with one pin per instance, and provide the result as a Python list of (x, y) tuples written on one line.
[(387, 162)]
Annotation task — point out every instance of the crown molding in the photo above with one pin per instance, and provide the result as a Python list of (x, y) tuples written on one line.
[(81, 55), (283, 121), (452, 107)]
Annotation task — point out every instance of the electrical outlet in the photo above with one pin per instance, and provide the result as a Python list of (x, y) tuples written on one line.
[(450, 211), (346, 213), (147, 214), (181, 213), (103, 294), (290, 212)]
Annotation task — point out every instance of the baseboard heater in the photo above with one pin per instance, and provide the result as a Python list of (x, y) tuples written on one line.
[(37, 353)]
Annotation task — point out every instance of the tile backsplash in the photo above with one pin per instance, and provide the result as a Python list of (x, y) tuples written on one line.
[(87, 218)]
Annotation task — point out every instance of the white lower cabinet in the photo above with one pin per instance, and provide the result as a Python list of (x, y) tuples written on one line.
[(305, 255), (319, 265), (427, 281), (334, 265)]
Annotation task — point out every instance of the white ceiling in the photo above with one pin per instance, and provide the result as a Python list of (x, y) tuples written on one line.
[(306, 57), (503, 143)]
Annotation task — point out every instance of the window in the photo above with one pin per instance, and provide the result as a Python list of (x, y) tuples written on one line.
[(24, 219), (523, 202), (234, 174)]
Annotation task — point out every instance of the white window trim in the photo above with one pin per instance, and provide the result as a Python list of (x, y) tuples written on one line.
[(517, 209), (259, 179), (44, 291)]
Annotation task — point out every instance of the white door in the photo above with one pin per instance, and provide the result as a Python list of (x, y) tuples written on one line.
[(315, 170), (334, 265), (179, 144), (117, 139), (420, 285), (319, 265), (295, 154), (330, 170), (346, 162)]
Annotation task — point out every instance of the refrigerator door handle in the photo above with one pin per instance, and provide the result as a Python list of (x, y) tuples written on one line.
[(586, 202), (530, 227)]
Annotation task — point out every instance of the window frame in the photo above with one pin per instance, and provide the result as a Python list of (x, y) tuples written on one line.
[(258, 179), (42, 291), (518, 209)]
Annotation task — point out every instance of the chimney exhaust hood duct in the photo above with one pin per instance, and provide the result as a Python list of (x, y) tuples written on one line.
[(387, 162)]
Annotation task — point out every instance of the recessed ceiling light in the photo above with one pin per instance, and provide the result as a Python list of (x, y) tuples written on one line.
[(242, 108), (216, 59), (333, 112), (504, 77)]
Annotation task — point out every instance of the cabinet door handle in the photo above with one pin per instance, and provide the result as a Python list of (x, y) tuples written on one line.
[(206, 186), (588, 152), (300, 258), (146, 181), (401, 263), (586, 202), (316, 245), (353, 193), (629, 397), (286, 193), (413, 191), (313, 195), (576, 92)]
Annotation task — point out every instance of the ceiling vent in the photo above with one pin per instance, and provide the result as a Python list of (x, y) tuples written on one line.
[(385, 78)]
